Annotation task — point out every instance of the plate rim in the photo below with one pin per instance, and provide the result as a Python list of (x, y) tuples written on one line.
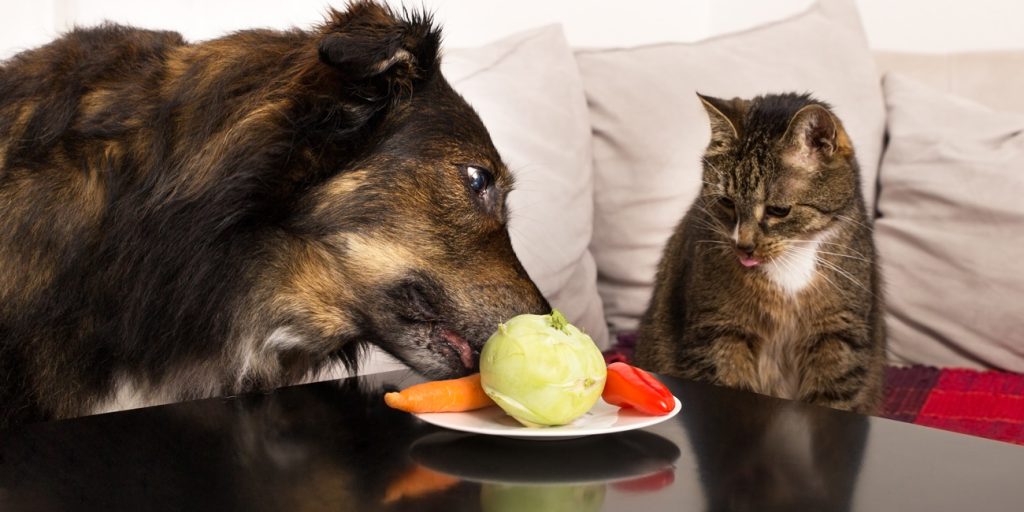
[(551, 433)]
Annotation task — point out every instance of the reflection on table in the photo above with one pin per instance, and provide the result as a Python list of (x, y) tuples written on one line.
[(766, 455), (567, 475)]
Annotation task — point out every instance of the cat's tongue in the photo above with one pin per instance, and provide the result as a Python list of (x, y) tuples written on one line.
[(747, 261)]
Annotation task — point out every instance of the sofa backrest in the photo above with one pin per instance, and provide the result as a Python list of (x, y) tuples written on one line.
[(994, 79)]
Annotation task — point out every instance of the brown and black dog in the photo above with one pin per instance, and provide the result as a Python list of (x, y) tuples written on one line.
[(187, 220)]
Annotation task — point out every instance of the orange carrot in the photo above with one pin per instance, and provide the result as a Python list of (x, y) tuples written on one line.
[(418, 481), (453, 395)]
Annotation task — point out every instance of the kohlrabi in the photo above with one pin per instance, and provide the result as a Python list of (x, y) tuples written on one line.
[(542, 370)]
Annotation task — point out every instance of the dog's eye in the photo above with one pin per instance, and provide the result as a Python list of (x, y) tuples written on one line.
[(776, 211), (479, 179)]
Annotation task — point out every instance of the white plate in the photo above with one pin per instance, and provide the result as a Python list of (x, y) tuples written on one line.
[(603, 418)]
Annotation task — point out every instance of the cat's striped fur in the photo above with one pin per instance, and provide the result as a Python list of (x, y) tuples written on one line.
[(770, 282)]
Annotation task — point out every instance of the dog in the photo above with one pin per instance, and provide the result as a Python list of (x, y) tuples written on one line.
[(192, 220)]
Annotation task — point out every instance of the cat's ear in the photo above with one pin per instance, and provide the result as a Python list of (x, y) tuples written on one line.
[(814, 137), (724, 116)]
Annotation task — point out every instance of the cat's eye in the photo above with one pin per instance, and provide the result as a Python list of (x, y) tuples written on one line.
[(777, 211), (726, 203)]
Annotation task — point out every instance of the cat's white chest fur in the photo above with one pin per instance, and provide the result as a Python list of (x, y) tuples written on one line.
[(792, 271), (796, 268)]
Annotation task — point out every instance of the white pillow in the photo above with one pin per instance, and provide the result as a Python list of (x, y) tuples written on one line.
[(992, 78), (950, 231), (528, 92), (650, 130)]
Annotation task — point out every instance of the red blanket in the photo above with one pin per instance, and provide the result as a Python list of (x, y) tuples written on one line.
[(986, 404)]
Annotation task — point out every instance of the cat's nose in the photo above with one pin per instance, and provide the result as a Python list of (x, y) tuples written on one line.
[(745, 249)]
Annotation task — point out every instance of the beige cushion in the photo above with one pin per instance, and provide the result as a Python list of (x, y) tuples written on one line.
[(650, 130), (995, 79), (528, 93), (951, 230)]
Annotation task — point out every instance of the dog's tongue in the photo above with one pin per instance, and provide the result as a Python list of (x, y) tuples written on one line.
[(460, 345)]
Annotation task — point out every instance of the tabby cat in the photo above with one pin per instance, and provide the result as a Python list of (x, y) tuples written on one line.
[(770, 283)]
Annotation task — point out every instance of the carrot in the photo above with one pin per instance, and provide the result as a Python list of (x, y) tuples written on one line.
[(417, 481), (453, 395)]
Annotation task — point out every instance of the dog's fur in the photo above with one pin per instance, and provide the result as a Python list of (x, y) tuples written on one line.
[(187, 220)]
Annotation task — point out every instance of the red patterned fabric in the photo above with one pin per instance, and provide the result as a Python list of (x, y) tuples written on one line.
[(622, 350), (906, 390), (986, 404)]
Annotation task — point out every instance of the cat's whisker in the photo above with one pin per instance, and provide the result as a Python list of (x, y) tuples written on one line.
[(819, 251), (714, 186), (852, 279), (813, 283), (785, 261), (716, 229), (708, 222), (822, 242), (711, 223), (710, 165), (704, 209), (853, 220), (841, 255), (825, 277), (789, 265), (715, 244), (835, 268)]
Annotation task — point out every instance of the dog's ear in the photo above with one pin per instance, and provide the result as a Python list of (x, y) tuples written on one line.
[(373, 47)]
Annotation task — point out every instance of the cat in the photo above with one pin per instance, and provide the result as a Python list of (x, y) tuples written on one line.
[(770, 282)]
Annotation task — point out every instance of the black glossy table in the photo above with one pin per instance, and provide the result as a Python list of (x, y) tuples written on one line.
[(336, 446)]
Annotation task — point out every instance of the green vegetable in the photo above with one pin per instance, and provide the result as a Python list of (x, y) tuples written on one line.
[(542, 370), (547, 498)]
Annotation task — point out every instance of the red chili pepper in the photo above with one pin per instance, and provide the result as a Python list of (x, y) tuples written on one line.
[(648, 483), (629, 386)]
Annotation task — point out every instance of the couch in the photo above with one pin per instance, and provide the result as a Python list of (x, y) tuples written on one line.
[(606, 145)]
